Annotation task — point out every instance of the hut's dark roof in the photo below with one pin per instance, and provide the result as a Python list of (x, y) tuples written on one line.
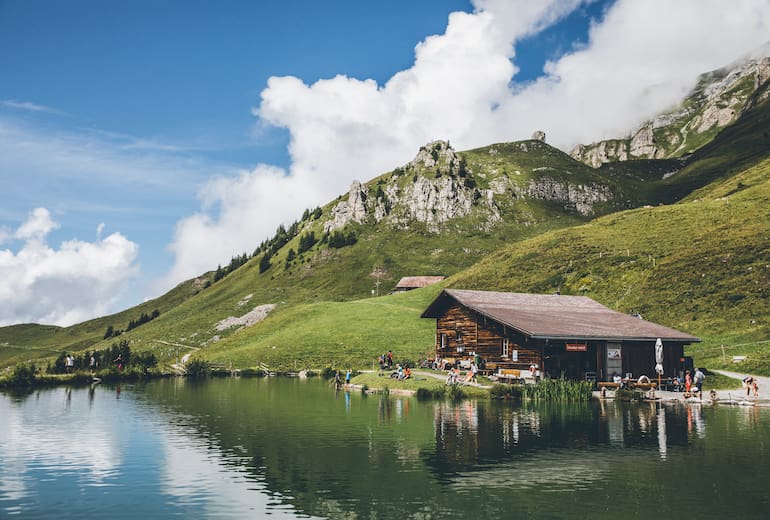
[(415, 282), (551, 316)]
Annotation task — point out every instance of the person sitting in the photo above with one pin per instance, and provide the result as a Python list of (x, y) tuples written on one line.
[(473, 372), (451, 379), (676, 384), (617, 379), (407, 374)]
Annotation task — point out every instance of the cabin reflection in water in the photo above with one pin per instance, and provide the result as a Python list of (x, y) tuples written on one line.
[(468, 435)]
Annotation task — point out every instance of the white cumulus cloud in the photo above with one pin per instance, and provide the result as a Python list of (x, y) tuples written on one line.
[(236, 215), (640, 58), (61, 286)]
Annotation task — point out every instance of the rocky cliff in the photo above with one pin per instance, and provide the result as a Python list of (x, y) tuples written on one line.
[(439, 186), (717, 100)]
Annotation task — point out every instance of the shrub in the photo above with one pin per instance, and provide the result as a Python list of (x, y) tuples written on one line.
[(328, 373), (197, 368), (426, 394), (456, 392), (23, 376)]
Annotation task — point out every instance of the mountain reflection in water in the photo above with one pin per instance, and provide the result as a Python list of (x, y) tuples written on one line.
[(241, 448)]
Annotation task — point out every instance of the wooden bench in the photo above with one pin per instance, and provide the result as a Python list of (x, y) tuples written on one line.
[(514, 375), (607, 384)]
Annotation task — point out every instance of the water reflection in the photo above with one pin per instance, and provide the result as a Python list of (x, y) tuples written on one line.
[(244, 448)]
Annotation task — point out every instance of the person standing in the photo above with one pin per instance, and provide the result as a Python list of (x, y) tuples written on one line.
[(348, 375), (687, 382), (750, 382), (698, 379)]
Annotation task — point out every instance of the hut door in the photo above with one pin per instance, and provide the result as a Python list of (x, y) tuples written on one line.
[(614, 360)]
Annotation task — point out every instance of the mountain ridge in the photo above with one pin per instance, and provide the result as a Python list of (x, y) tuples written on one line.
[(441, 213), (717, 100)]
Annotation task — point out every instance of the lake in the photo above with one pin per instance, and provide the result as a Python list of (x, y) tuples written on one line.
[(287, 448)]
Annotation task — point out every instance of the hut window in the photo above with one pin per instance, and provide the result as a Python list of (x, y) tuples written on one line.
[(443, 340), (459, 337), (505, 347)]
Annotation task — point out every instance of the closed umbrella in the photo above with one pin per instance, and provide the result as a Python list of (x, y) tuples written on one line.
[(659, 359)]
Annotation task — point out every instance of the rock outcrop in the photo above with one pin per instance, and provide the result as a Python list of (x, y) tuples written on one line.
[(717, 101), (351, 210), (577, 197), (436, 187)]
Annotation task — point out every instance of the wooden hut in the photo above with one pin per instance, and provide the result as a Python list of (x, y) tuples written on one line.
[(572, 336), (407, 283)]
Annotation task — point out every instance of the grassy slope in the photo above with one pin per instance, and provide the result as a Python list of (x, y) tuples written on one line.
[(338, 334), (701, 251), (29, 341), (737, 147), (324, 274), (700, 266)]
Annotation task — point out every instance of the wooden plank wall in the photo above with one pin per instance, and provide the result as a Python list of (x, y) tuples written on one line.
[(480, 335)]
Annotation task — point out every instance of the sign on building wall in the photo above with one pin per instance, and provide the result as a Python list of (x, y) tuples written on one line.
[(577, 347)]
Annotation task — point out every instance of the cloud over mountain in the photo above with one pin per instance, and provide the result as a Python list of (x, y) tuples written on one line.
[(641, 58)]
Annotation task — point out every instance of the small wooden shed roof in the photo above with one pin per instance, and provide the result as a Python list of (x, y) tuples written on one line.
[(555, 317), (416, 282)]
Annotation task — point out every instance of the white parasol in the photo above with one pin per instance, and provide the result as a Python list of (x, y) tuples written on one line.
[(659, 357)]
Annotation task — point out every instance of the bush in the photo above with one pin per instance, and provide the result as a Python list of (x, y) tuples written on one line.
[(426, 394), (23, 376), (328, 373), (456, 393), (197, 368)]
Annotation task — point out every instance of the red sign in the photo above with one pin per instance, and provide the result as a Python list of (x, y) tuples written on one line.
[(577, 347)]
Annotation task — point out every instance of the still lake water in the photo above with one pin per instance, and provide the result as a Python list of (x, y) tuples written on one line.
[(285, 448)]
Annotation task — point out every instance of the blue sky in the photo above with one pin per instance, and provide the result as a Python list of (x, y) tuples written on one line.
[(142, 143)]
